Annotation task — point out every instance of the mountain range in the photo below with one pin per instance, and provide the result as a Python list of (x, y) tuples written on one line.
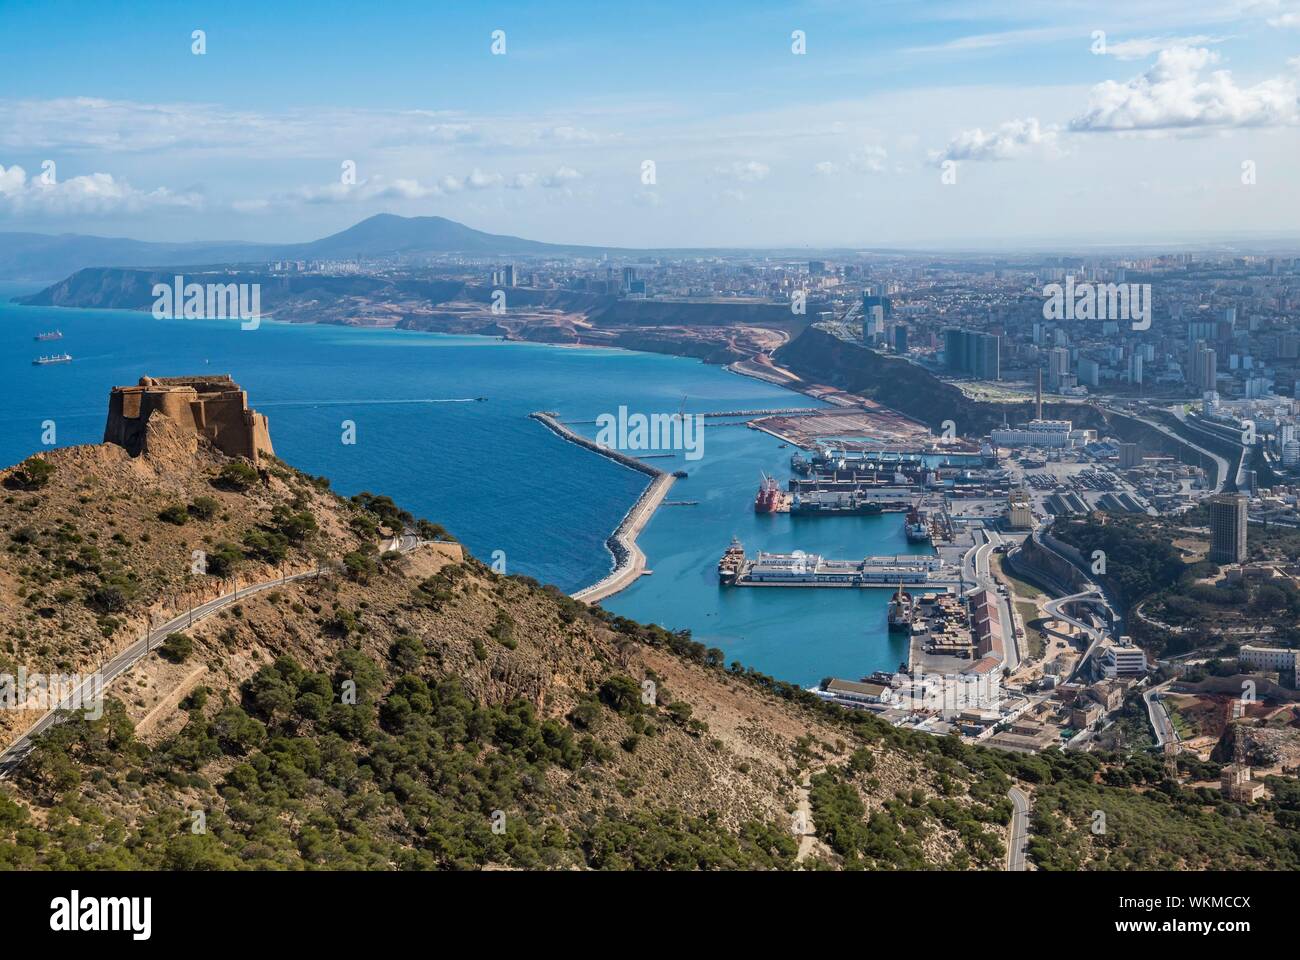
[(38, 256)]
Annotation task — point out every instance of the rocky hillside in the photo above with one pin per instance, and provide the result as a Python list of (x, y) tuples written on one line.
[(407, 709)]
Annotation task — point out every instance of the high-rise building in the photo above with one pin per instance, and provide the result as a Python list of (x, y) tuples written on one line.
[(1135, 368), (1204, 368), (900, 338), (1129, 456), (1228, 528), (978, 354), (1058, 365)]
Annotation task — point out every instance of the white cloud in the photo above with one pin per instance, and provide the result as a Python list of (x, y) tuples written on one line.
[(560, 178), (746, 171), (989, 41), (379, 188), (69, 124), (1176, 93), (1139, 48), (1285, 20), (1012, 139), (871, 159), (86, 195)]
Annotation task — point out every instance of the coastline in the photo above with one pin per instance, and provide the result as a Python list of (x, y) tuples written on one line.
[(629, 559)]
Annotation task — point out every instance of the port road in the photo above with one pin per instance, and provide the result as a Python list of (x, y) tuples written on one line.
[(93, 686), (976, 571)]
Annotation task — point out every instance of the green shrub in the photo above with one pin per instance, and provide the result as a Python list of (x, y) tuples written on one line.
[(174, 514), (176, 648), (204, 508), (239, 475), (32, 474)]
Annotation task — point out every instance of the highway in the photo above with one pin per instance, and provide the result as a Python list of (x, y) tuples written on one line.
[(1019, 829), (1221, 474), (94, 685), (1095, 636)]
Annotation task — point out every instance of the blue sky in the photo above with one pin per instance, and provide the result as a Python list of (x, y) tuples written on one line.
[(1047, 136)]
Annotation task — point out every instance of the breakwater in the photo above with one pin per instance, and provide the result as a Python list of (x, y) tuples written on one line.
[(629, 560)]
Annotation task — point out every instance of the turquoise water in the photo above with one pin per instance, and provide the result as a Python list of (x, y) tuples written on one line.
[(494, 478)]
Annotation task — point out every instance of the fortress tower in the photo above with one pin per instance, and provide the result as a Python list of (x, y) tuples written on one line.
[(213, 406)]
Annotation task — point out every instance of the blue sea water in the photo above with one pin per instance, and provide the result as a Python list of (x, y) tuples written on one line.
[(496, 479)]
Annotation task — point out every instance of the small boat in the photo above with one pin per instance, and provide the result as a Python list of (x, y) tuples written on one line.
[(49, 335), (56, 358)]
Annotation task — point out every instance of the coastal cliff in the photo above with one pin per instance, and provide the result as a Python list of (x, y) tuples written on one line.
[(818, 356)]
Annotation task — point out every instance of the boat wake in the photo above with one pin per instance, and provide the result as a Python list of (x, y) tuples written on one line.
[(364, 403)]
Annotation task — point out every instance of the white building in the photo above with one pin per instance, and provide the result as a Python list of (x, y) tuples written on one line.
[(1123, 661), (1268, 659), (1036, 433)]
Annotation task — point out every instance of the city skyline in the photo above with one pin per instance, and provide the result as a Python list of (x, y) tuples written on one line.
[(1092, 125)]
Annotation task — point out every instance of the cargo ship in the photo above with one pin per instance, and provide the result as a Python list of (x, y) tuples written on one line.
[(56, 358), (50, 335), (902, 610), (732, 561), (817, 504), (916, 526), (768, 499)]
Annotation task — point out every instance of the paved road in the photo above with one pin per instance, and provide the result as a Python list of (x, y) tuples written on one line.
[(94, 685), (976, 572), (1221, 475), (1160, 723), (1019, 829), (1095, 636)]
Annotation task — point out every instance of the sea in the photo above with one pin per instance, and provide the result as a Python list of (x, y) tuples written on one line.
[(504, 485)]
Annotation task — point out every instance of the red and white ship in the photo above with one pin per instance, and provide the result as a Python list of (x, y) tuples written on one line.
[(768, 499)]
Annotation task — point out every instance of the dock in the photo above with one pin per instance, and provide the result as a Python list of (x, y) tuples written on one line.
[(798, 569)]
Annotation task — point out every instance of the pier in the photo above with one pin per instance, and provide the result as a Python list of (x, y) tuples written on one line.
[(798, 569), (629, 560)]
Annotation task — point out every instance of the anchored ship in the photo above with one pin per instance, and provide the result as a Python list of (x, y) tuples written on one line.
[(56, 358), (916, 526), (902, 610), (730, 565), (768, 499), (50, 335)]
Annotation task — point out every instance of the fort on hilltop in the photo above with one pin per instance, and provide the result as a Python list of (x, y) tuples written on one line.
[(214, 406)]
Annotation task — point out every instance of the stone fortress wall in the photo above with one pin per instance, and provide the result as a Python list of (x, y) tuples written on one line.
[(214, 406)]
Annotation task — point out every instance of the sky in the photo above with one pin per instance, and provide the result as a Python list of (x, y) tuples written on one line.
[(939, 123)]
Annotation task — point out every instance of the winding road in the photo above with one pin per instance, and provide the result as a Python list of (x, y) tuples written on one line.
[(94, 685)]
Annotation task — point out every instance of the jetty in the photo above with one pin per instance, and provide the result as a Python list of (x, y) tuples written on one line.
[(629, 560)]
